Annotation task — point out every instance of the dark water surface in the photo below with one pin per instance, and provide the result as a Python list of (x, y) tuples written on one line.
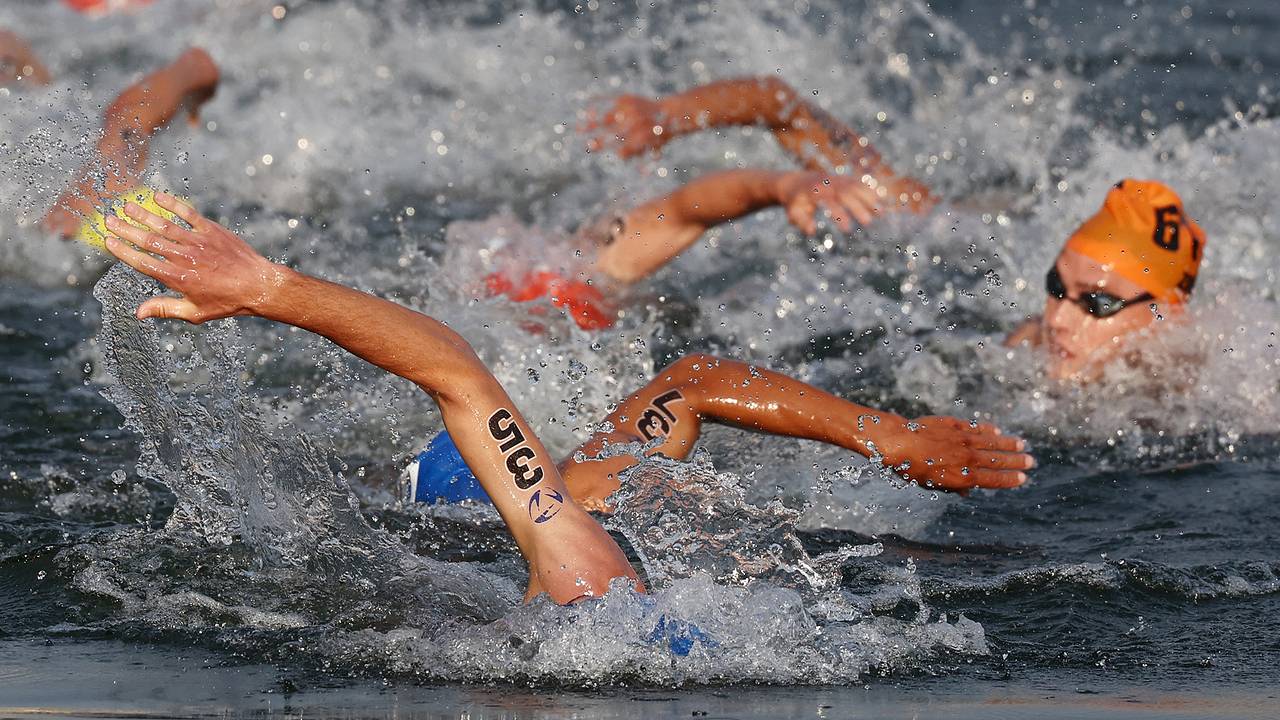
[(1136, 576)]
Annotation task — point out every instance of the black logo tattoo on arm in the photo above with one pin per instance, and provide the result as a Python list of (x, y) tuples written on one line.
[(658, 419), (512, 444)]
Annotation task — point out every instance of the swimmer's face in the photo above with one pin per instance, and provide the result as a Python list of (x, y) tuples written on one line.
[(1080, 343)]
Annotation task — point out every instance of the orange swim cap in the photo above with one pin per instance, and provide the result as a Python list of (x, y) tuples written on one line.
[(584, 303), (1143, 234)]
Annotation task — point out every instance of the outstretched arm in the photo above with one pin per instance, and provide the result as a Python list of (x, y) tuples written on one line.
[(938, 452), (818, 140), (652, 234), (569, 555), (127, 127)]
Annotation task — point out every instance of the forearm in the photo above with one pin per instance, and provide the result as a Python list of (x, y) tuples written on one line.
[(661, 229), (147, 106), (741, 101), (390, 336), (1027, 332), (667, 415), (737, 394), (810, 134), (821, 142)]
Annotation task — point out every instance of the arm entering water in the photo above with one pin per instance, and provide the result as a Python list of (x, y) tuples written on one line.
[(937, 452), (569, 555)]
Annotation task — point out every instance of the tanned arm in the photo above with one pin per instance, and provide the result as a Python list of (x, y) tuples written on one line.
[(818, 140), (654, 233), (569, 555), (937, 452)]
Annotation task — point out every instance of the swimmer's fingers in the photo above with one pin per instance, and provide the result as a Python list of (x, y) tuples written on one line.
[(995, 479), (163, 227), (144, 263), (1003, 443), (837, 212), (800, 212), (189, 215), (965, 426), (1002, 460), (148, 240), (168, 307), (860, 200)]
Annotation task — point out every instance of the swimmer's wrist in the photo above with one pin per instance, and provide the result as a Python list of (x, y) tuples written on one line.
[(277, 282), (875, 431)]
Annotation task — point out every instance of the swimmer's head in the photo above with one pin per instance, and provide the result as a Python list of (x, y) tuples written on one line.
[(1125, 267)]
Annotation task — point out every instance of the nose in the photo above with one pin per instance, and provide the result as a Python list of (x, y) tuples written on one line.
[(1062, 320), (1057, 314)]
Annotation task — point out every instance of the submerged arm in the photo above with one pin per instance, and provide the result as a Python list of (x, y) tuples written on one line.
[(659, 230), (940, 452), (569, 555)]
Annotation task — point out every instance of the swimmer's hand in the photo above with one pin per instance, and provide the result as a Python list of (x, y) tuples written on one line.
[(951, 454), (843, 198), (216, 271), (632, 125)]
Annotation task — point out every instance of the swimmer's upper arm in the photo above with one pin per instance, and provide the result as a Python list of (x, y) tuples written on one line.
[(656, 232)]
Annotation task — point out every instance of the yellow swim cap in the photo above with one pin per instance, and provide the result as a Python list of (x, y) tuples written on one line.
[(1143, 234), (94, 230)]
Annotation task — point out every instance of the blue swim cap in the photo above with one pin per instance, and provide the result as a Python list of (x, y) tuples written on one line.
[(440, 473)]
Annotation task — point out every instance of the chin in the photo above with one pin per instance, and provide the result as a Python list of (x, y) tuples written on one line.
[(1063, 365)]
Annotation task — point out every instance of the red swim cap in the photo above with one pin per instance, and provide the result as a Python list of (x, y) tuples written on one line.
[(94, 7), (584, 303)]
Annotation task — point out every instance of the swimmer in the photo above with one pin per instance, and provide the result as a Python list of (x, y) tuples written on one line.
[(127, 127), (634, 125), (843, 177), (1132, 263), (625, 249), (569, 555)]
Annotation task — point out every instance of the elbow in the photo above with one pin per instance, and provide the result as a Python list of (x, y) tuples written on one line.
[(452, 375), (780, 93), (686, 375), (776, 87)]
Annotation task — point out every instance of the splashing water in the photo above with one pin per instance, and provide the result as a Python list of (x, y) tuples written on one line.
[(267, 550), (285, 559)]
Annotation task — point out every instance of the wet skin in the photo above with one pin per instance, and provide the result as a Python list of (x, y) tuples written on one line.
[(1080, 344)]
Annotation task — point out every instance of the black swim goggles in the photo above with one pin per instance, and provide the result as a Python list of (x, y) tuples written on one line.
[(1097, 304)]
